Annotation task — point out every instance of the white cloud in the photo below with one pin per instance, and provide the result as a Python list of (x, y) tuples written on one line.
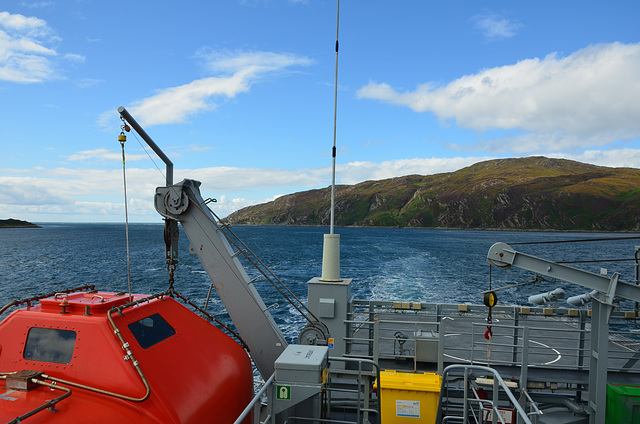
[(225, 205), (29, 191), (173, 105), (65, 194), (199, 148), (103, 154), (17, 22), (355, 172), (229, 61), (241, 69), (494, 26), (36, 5), (224, 178), (25, 55), (77, 58), (618, 158), (588, 98)]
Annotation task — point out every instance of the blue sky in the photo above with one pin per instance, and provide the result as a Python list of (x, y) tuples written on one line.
[(240, 94)]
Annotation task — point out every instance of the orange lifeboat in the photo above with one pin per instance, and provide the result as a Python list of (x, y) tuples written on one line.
[(99, 356)]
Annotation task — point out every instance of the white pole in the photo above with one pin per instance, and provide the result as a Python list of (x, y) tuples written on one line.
[(331, 246), (335, 118)]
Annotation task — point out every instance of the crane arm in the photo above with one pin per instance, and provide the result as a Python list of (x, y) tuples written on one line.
[(183, 202), (504, 256)]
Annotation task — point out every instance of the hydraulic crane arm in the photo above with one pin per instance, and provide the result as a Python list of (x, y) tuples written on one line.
[(182, 202), (504, 256), (606, 289)]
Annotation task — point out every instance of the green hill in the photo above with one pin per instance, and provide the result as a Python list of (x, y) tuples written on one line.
[(525, 193)]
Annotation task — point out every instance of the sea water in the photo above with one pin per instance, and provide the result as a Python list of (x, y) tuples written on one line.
[(426, 265)]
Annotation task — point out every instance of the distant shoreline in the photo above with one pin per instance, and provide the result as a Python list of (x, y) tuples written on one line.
[(533, 230), (16, 223)]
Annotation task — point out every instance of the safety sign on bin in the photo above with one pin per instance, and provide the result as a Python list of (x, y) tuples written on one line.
[(408, 408)]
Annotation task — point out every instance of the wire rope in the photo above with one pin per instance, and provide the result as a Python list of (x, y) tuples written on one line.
[(149, 155), (122, 140), (250, 256)]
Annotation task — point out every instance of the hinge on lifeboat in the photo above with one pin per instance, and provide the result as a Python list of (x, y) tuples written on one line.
[(21, 380)]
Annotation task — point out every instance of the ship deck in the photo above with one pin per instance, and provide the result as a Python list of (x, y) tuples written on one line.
[(554, 343)]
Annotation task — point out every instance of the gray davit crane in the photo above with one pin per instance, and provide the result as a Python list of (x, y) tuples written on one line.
[(182, 202), (606, 289)]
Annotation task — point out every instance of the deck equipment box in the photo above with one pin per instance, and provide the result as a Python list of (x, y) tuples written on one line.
[(623, 404), (427, 343), (408, 397)]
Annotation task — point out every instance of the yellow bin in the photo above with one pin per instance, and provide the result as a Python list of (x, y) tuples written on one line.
[(408, 397)]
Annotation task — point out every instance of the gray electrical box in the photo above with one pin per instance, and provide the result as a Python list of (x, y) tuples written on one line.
[(301, 375), (426, 346), (302, 364)]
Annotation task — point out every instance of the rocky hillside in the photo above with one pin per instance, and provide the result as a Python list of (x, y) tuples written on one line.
[(16, 223), (526, 193)]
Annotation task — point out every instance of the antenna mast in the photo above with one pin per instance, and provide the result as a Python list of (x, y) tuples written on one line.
[(335, 118), (331, 247)]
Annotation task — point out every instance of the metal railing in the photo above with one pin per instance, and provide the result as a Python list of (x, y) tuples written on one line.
[(359, 401), (254, 402), (521, 335), (463, 404), (362, 392)]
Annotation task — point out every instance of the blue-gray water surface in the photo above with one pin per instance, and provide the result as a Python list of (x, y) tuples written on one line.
[(428, 265)]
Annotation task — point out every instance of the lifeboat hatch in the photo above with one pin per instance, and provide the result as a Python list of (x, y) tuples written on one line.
[(83, 302)]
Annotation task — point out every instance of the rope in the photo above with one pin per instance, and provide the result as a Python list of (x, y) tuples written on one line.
[(258, 264), (144, 149), (489, 333), (533, 280), (122, 139)]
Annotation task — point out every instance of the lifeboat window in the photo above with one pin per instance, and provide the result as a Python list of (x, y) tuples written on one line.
[(50, 345), (151, 330)]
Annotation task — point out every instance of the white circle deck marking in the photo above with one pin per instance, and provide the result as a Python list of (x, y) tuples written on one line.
[(558, 357)]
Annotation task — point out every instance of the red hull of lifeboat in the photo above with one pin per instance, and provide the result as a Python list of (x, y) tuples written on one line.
[(193, 371)]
